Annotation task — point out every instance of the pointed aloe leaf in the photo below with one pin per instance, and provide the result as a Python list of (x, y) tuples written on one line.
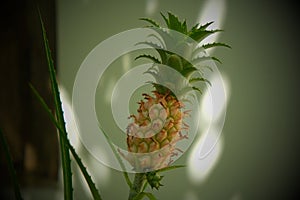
[(165, 19), (205, 58), (153, 58), (188, 71), (158, 39), (208, 67), (88, 178), (153, 68), (216, 59), (215, 44), (186, 90), (205, 26), (11, 168), (185, 63), (184, 27), (157, 78), (197, 89), (65, 156), (188, 100), (151, 21), (200, 35), (198, 50), (194, 80), (151, 44), (159, 49), (169, 41), (175, 24), (195, 27)]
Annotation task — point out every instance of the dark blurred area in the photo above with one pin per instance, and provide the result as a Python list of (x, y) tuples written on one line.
[(31, 136)]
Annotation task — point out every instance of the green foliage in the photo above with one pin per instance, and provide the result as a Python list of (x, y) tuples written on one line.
[(171, 59), (174, 23), (65, 156), (59, 122), (206, 58), (153, 58), (175, 62), (187, 72), (199, 35), (215, 44), (154, 23), (192, 80)]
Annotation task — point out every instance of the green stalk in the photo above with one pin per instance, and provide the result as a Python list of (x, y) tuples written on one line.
[(65, 154), (10, 166), (138, 183)]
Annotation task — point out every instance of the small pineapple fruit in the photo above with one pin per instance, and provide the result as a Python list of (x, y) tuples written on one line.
[(158, 125), (155, 131)]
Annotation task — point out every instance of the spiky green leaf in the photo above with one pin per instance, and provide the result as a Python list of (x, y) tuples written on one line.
[(188, 71), (194, 80), (216, 59), (199, 51), (184, 27), (169, 41), (199, 35), (197, 89), (188, 89), (151, 21), (195, 61), (195, 27), (205, 26), (152, 58), (161, 42), (215, 44), (176, 24), (65, 156), (151, 44), (165, 19), (174, 61), (161, 51)]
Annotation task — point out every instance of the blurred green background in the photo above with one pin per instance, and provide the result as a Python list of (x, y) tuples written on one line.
[(259, 159)]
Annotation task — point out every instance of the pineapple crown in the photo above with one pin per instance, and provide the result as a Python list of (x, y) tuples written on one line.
[(170, 40)]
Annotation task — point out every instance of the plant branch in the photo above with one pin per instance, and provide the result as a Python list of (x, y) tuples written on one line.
[(138, 186)]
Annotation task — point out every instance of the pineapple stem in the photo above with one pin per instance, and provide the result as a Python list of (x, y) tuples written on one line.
[(138, 183)]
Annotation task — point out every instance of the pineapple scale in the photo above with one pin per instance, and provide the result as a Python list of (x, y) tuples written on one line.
[(156, 129)]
